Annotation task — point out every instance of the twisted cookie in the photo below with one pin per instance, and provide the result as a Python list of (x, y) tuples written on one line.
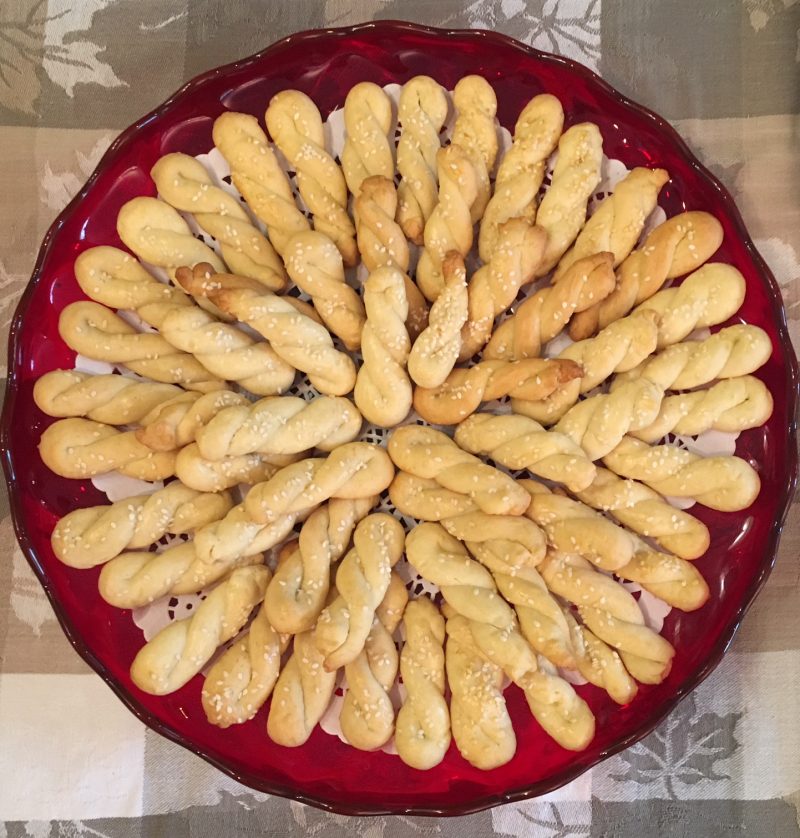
[(82, 449), (382, 244), (422, 733), (257, 174), (92, 536), (296, 128), (179, 651), (206, 475), (725, 483), (422, 111), (276, 426), (449, 226), (618, 221), (315, 266), (367, 125), (517, 541), (544, 314), (383, 389), (298, 590), (679, 245), (354, 470), (436, 350), (522, 169), (112, 399), (517, 442), (475, 130), (529, 380), (185, 183)]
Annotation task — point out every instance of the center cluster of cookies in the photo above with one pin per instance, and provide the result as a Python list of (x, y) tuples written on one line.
[(529, 570)]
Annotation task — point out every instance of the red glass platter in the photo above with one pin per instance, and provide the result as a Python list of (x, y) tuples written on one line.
[(325, 772)]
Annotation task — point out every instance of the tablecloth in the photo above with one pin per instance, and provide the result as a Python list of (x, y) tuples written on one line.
[(73, 73)]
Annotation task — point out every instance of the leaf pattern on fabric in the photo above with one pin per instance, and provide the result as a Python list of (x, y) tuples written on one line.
[(760, 12), (57, 188), (685, 749), (28, 600), (552, 825)]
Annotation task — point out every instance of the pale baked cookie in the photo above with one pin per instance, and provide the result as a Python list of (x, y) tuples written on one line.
[(422, 732), (315, 266), (562, 211), (382, 243), (422, 111), (298, 590), (367, 123), (475, 130), (94, 535), (522, 169), (258, 176), (678, 246), (295, 125), (179, 651), (463, 391), (515, 539), (186, 184), (383, 389), (82, 449), (449, 226), (617, 223), (206, 475), (544, 314), (436, 350)]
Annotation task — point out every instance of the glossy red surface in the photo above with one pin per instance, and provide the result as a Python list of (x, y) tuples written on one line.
[(325, 65)]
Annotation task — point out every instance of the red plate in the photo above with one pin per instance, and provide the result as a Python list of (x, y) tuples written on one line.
[(325, 772)]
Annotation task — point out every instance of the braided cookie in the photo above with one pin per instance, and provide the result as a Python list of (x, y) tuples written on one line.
[(362, 580), (298, 590), (522, 169), (493, 288), (112, 399), (98, 333), (367, 715), (436, 350), (678, 246), (617, 348), (646, 512), (354, 470), (517, 442), (176, 422), (562, 211), (449, 226), (258, 176), (293, 331), (612, 614), (421, 112), (206, 475), (276, 426), (725, 483), (92, 536), (367, 125), (179, 651), (381, 243), (515, 538), (707, 297), (735, 404), (544, 314), (470, 590), (481, 726), (185, 183), (295, 125), (428, 453), (598, 423), (422, 730), (618, 222), (528, 380), (241, 680), (315, 266), (383, 389), (475, 130), (82, 449), (729, 353)]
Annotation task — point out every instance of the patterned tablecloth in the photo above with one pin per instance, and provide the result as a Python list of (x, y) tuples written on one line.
[(73, 73)]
